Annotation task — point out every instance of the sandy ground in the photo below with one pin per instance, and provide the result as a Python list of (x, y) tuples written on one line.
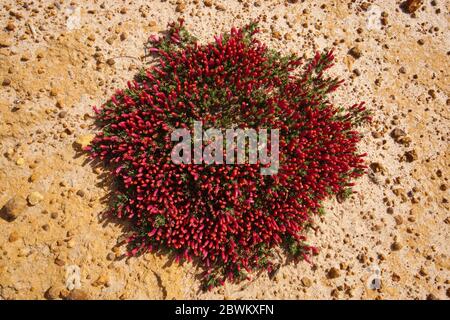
[(58, 58)]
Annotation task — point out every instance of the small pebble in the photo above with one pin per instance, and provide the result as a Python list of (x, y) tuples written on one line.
[(334, 273), (52, 293), (77, 294), (14, 208), (20, 161), (34, 198), (355, 52), (80, 193), (13, 236), (396, 246), (306, 282)]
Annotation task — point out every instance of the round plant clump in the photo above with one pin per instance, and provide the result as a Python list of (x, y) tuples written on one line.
[(228, 218)]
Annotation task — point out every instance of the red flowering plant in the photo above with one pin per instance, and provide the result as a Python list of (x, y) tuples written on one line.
[(228, 218)]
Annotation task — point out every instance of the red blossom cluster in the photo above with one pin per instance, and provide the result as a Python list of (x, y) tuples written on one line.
[(229, 218)]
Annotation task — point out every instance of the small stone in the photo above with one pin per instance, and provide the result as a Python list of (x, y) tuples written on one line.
[(396, 246), (62, 114), (431, 296), (91, 37), (110, 40), (25, 58), (83, 141), (355, 52), (13, 236), (111, 62), (399, 192), (9, 153), (180, 7), (398, 220), (77, 294), (53, 92), (6, 82), (111, 256), (208, 3), (64, 293), (396, 277), (306, 282), (335, 293), (377, 167), (343, 266), (59, 262), (34, 198), (71, 244), (52, 293), (33, 177), (411, 6), (10, 26), (14, 208), (80, 193), (220, 7), (411, 155), (5, 40), (397, 133), (59, 104), (124, 296), (333, 273), (365, 6), (123, 36), (423, 272), (20, 161)]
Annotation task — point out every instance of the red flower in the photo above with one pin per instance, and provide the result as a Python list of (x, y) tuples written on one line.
[(227, 217)]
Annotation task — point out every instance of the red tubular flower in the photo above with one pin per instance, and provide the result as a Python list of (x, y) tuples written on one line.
[(228, 218)]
